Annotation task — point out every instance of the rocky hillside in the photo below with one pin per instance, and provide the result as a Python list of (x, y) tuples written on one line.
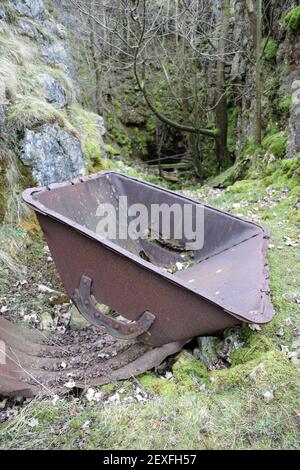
[(45, 134)]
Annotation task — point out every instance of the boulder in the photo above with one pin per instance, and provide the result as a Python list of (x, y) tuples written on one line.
[(78, 322), (232, 342), (2, 13), (100, 125), (54, 92), (207, 351), (32, 8), (28, 30), (55, 53), (46, 322), (293, 146), (52, 154)]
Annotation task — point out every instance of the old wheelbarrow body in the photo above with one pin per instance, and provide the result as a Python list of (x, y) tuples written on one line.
[(226, 284)]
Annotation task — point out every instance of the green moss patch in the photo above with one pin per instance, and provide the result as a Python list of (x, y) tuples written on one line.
[(275, 373), (276, 144), (258, 344), (158, 386), (86, 124), (292, 18), (270, 47), (188, 369)]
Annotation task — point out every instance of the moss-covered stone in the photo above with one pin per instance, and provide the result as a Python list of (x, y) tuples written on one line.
[(85, 122), (284, 172), (284, 104), (276, 144), (270, 47), (243, 186), (277, 370), (258, 344), (294, 215), (207, 351), (292, 18), (158, 386), (187, 368), (108, 388)]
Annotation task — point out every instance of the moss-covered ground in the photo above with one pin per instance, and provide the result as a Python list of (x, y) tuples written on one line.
[(253, 404)]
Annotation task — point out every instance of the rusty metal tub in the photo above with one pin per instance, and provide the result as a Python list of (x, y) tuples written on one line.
[(227, 283)]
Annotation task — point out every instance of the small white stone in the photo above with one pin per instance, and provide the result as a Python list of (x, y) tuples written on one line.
[(55, 399), (98, 397), (70, 384), (86, 425), (280, 331), (90, 394), (179, 266), (114, 398), (33, 423), (268, 396), (254, 327), (45, 289)]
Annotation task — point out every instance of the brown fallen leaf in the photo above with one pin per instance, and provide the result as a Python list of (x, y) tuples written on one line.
[(59, 299)]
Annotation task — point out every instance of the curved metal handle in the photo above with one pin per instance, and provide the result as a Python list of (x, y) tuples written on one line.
[(88, 308)]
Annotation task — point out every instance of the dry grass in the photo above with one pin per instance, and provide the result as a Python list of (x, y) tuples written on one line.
[(8, 81), (15, 208)]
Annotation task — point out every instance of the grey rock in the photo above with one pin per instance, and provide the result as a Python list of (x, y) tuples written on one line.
[(232, 342), (207, 351), (55, 54), (268, 396), (54, 29), (2, 13), (100, 125), (52, 154), (28, 30), (293, 146), (54, 92), (258, 372), (32, 8), (46, 322), (78, 322), (2, 113)]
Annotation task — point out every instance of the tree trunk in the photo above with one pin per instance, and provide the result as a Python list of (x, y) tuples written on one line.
[(252, 19), (221, 106), (95, 61), (258, 120)]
